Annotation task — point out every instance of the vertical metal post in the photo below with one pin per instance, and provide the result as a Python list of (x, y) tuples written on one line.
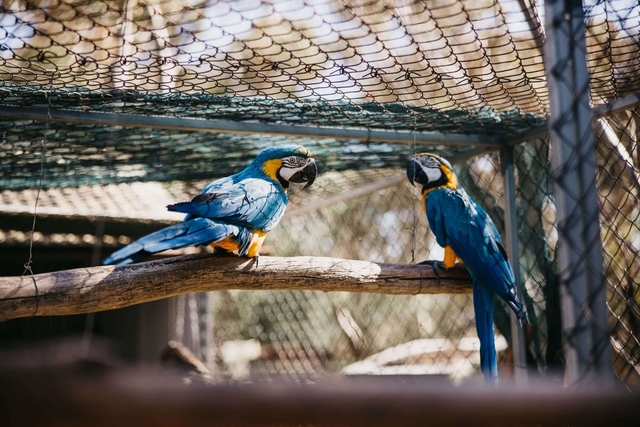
[(205, 328), (511, 240), (580, 261)]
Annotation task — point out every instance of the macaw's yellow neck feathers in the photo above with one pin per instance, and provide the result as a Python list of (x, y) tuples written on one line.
[(424, 199), (452, 179), (450, 182), (271, 168)]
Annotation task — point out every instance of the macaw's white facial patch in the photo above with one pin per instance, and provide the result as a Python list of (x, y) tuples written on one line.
[(433, 173), (291, 165), (298, 170), (286, 173), (431, 168)]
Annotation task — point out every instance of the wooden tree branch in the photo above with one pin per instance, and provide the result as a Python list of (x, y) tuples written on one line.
[(93, 289)]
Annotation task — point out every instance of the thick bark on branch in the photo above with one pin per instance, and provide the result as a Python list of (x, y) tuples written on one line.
[(87, 290)]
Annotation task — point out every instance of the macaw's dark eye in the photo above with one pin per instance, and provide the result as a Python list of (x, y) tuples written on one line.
[(431, 162), (293, 161)]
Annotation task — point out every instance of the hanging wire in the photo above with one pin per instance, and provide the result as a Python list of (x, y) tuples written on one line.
[(413, 211), (43, 145)]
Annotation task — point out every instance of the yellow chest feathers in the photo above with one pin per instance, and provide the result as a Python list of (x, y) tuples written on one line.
[(452, 183), (230, 244)]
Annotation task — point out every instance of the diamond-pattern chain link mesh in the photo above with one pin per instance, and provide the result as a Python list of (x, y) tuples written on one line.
[(463, 67), (619, 187)]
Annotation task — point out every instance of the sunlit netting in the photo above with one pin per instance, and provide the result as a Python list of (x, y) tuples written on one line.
[(412, 54), (466, 67), (182, 92)]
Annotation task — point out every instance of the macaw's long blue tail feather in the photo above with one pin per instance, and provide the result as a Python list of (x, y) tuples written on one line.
[(197, 231), (483, 307)]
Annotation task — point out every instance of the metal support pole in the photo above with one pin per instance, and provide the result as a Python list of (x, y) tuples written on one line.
[(205, 328), (579, 254), (511, 240)]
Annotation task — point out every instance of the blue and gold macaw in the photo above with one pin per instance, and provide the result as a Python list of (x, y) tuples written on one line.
[(233, 213), (467, 234)]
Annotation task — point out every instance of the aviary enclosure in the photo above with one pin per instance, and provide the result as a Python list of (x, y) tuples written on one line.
[(110, 110)]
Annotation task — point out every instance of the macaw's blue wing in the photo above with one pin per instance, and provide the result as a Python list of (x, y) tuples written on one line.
[(251, 202), (197, 231), (486, 257), (459, 222)]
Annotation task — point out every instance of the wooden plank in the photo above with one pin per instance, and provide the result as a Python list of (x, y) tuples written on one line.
[(96, 395)]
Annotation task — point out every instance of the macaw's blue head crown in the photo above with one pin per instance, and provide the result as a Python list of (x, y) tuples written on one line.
[(431, 171), (281, 151)]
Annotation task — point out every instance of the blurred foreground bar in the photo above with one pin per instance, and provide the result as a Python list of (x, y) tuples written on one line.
[(68, 387)]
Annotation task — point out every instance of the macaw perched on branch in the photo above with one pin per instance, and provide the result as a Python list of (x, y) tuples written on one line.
[(467, 234), (233, 213)]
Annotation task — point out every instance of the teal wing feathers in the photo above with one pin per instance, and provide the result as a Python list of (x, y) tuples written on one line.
[(197, 231), (250, 202), (229, 207)]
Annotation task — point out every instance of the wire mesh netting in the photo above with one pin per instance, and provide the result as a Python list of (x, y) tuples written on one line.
[(336, 51), (107, 92), (306, 334), (618, 185), (467, 68)]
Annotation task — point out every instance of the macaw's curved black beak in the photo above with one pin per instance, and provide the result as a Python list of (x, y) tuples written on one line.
[(305, 174), (414, 171)]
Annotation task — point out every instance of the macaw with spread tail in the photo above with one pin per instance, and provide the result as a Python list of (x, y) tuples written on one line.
[(233, 213), (467, 234)]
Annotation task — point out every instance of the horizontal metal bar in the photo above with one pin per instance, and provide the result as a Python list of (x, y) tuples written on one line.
[(366, 135), (528, 135), (348, 195), (617, 105), (600, 111), (463, 156), (203, 125), (379, 185)]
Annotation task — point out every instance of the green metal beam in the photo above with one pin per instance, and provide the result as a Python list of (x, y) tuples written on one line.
[(217, 126)]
